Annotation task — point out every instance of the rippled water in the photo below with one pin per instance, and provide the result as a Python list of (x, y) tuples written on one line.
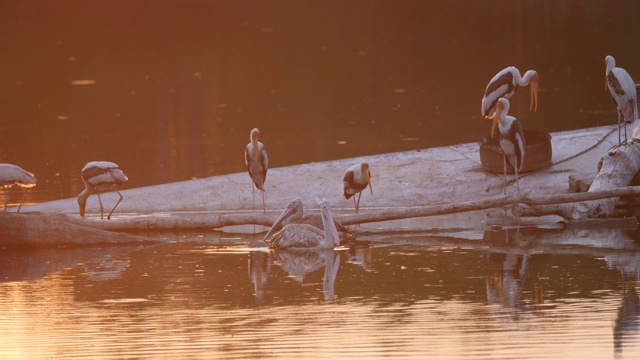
[(232, 298)]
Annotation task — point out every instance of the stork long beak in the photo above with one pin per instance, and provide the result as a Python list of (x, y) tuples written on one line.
[(276, 224), (366, 176), (534, 97)]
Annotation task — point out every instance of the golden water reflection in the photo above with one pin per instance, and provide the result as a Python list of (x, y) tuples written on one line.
[(372, 300)]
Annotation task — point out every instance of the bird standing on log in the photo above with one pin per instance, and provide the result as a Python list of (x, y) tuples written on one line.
[(355, 181), (293, 214), (503, 85), (308, 237), (255, 157), (100, 176), (15, 175), (623, 92), (511, 140)]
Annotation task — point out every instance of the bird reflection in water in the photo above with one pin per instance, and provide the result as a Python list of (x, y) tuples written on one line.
[(627, 322), (259, 270), (361, 254), (299, 263), (505, 286)]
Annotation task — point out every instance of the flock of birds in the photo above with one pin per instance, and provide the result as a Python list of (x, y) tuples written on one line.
[(321, 232)]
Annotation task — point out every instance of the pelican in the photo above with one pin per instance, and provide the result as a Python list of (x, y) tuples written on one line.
[(623, 92), (99, 176), (355, 180), (15, 175), (503, 85), (308, 237), (293, 213), (511, 140), (255, 157)]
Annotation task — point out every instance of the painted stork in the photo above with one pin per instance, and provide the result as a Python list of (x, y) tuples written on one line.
[(355, 181), (308, 237), (503, 85), (511, 140), (15, 175), (255, 157), (100, 176), (293, 213), (623, 91)]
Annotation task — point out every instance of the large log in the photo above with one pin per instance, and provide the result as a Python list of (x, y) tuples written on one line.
[(617, 169)]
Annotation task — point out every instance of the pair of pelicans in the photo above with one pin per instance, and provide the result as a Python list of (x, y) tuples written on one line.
[(495, 106)]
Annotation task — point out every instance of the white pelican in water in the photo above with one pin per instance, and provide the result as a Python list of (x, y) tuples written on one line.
[(99, 176), (355, 181), (255, 157), (511, 140), (308, 237), (503, 85), (623, 91), (293, 213), (15, 175)]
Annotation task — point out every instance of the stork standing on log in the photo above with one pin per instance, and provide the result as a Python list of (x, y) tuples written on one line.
[(355, 180), (511, 140), (308, 237), (293, 214), (15, 175), (255, 157), (503, 85), (99, 176), (623, 92)]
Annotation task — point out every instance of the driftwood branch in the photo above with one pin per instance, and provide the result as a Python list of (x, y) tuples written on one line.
[(500, 201), (617, 168)]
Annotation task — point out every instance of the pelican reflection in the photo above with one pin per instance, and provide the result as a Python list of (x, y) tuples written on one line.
[(299, 263)]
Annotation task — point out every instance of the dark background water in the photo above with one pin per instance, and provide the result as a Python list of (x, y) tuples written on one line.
[(170, 89)]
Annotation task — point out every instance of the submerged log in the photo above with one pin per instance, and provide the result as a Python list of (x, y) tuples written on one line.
[(26, 229)]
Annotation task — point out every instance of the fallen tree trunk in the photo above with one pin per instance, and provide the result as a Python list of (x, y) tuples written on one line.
[(617, 169), (204, 220)]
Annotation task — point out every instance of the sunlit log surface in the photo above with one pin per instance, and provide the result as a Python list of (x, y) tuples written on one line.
[(618, 168)]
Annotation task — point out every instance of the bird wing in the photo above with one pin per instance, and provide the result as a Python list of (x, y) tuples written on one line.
[(12, 174), (501, 85), (623, 91), (519, 136)]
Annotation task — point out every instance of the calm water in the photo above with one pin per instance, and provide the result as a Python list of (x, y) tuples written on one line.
[(410, 297), (170, 90)]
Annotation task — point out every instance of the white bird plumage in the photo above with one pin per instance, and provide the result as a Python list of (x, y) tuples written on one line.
[(257, 162), (15, 175), (294, 213), (355, 180), (99, 176), (503, 85), (511, 140), (308, 237), (623, 91)]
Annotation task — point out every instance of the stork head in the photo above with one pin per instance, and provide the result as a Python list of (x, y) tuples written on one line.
[(364, 167), (502, 108), (609, 64)]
